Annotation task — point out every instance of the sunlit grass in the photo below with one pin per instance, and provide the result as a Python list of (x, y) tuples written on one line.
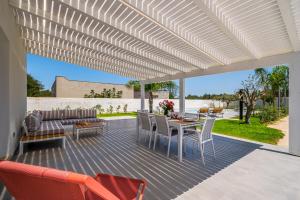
[(255, 131)]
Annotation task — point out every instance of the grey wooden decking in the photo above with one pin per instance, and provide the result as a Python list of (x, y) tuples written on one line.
[(117, 153)]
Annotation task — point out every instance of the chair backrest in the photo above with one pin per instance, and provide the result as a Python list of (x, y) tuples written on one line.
[(145, 121), (203, 110), (28, 182), (162, 125), (207, 129)]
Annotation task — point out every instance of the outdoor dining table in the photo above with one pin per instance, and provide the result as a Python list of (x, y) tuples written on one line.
[(180, 125)]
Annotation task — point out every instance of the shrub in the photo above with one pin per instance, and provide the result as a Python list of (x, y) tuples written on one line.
[(125, 108), (118, 108), (110, 109), (271, 113), (68, 107), (99, 108)]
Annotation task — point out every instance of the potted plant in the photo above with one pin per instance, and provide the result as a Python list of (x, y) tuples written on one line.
[(167, 106)]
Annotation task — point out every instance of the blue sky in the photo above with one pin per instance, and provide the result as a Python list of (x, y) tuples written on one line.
[(45, 70)]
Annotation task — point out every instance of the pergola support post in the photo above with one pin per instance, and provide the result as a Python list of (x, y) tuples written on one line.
[(142, 96), (182, 95), (294, 111)]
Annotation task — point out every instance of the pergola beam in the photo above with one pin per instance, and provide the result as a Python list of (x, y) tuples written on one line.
[(59, 42), (244, 65), (216, 15), (93, 64), (286, 13), (122, 28), (165, 64), (214, 56), (97, 57)]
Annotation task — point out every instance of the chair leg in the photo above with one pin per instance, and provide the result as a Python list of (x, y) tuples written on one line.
[(21, 148), (169, 144), (146, 134), (150, 140), (202, 153), (193, 146), (184, 146), (155, 137), (213, 147), (64, 142)]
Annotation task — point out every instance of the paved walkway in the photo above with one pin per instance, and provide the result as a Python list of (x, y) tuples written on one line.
[(282, 125), (262, 174)]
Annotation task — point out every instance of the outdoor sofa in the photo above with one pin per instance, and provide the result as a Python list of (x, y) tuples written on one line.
[(25, 181), (49, 125)]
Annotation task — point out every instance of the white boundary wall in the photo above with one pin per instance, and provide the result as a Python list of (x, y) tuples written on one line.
[(49, 103)]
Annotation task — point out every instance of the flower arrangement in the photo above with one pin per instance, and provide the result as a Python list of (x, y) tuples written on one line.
[(167, 106)]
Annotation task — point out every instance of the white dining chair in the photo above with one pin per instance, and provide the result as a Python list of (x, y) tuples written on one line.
[(202, 137), (164, 130), (147, 126)]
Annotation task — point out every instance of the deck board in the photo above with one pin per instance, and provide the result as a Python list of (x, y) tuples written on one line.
[(118, 153)]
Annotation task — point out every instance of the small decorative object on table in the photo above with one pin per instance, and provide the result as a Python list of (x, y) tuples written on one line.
[(167, 106)]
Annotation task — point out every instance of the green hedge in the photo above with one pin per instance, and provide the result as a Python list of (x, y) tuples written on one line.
[(271, 113)]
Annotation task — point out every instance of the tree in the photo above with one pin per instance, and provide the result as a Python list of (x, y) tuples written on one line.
[(105, 94), (35, 88), (279, 80), (169, 85), (250, 93), (262, 76), (228, 98)]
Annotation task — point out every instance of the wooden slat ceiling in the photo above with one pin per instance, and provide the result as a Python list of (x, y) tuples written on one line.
[(146, 39)]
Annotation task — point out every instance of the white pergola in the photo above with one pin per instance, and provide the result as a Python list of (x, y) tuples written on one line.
[(160, 40)]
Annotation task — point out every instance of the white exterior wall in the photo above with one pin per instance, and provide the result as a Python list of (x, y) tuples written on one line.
[(12, 82), (49, 103)]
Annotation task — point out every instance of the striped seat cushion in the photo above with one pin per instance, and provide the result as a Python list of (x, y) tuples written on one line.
[(49, 128), (88, 113), (51, 115), (74, 121), (33, 123), (71, 114)]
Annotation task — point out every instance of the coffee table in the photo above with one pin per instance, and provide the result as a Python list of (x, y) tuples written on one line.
[(81, 128)]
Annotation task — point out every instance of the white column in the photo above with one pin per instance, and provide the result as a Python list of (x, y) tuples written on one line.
[(181, 95), (142, 96), (294, 107)]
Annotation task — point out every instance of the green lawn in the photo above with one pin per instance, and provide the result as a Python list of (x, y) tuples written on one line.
[(103, 115), (255, 131)]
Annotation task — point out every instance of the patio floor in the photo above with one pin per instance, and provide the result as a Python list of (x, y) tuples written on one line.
[(117, 153)]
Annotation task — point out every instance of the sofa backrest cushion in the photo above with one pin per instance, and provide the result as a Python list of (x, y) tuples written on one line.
[(71, 114), (33, 123), (51, 115), (88, 113), (38, 114), (33, 182)]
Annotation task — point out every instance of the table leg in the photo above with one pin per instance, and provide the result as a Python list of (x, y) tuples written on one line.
[(137, 129), (179, 142)]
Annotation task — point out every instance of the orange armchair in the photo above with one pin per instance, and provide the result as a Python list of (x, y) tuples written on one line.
[(28, 182)]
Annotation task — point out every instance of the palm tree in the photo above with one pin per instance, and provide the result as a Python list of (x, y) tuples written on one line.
[(150, 88), (262, 76), (279, 79)]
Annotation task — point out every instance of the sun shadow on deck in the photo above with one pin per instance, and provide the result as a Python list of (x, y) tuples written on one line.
[(118, 153)]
